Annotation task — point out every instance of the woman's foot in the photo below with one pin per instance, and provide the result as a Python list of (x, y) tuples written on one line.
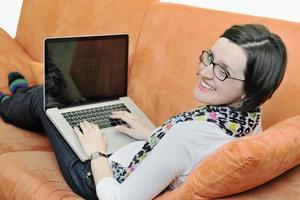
[(16, 81)]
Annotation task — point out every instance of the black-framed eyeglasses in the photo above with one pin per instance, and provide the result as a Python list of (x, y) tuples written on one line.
[(220, 72)]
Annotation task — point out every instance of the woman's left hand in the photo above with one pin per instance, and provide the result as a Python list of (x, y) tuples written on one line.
[(91, 138)]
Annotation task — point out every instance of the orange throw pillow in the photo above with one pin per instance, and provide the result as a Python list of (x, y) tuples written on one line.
[(243, 164)]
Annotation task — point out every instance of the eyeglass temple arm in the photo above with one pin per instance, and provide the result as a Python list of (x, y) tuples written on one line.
[(236, 79)]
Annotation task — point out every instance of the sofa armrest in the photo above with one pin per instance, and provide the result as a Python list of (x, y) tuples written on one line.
[(12, 58)]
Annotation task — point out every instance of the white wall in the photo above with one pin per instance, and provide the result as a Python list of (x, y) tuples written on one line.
[(283, 9), (9, 15)]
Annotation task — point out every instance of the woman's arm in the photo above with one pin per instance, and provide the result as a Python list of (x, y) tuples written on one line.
[(168, 160), (92, 140), (100, 169)]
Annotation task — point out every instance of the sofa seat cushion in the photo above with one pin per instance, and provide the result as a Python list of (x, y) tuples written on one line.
[(32, 175), (245, 163), (12, 58), (13, 139)]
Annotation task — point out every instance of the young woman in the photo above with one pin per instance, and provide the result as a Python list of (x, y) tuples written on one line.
[(236, 76)]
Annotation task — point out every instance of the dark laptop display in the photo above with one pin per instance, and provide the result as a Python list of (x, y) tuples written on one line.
[(80, 70)]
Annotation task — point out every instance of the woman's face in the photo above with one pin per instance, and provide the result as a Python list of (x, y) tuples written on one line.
[(212, 91)]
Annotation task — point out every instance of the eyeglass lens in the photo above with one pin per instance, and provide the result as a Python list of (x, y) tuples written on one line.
[(207, 59)]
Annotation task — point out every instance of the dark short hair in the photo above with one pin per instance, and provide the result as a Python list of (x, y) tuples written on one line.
[(266, 62)]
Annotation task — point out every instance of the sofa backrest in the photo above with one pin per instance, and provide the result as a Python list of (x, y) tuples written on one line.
[(166, 60), (43, 18)]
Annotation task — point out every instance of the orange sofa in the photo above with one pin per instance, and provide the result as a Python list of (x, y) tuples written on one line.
[(165, 42)]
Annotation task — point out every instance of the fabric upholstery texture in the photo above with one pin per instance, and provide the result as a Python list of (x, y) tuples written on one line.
[(37, 70), (14, 139), (286, 187), (77, 17), (32, 175)]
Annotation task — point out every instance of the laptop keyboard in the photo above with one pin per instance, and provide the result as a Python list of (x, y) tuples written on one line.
[(99, 116)]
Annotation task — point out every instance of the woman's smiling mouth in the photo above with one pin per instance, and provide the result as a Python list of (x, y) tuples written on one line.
[(204, 85)]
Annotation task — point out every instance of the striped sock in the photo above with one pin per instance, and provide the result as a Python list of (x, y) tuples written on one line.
[(16, 81), (3, 97)]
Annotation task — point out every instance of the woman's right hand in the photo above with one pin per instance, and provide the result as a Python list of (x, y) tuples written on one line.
[(134, 127)]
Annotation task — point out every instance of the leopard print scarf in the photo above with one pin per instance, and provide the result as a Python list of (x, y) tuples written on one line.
[(232, 122)]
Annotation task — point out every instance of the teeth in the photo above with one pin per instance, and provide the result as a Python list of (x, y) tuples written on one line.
[(206, 86)]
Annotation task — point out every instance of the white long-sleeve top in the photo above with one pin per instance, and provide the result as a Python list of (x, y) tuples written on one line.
[(170, 161)]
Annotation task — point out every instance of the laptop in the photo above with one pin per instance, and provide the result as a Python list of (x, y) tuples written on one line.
[(86, 79)]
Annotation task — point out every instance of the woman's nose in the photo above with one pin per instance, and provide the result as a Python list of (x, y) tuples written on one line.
[(207, 71)]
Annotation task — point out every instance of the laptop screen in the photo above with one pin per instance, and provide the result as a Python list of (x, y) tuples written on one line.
[(81, 70)]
